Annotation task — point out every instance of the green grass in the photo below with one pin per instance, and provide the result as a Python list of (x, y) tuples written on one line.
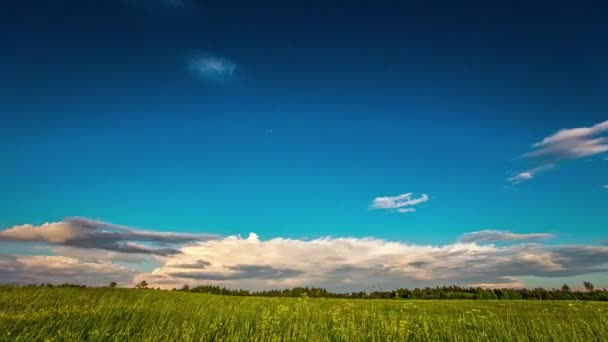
[(71, 314)]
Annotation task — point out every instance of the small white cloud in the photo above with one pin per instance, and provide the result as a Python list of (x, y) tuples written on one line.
[(402, 203), (530, 174), (212, 68), (605, 186)]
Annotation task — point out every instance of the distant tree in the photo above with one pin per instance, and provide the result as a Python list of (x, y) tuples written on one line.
[(186, 288), (113, 284), (566, 288), (588, 286), (142, 285)]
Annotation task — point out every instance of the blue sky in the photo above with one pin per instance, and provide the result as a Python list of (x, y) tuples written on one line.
[(290, 119)]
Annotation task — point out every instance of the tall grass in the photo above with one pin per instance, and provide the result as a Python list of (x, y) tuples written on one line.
[(68, 314)]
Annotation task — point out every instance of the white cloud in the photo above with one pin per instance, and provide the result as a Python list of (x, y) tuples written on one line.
[(500, 235), (605, 186), (401, 203), (351, 264), (56, 269), (530, 174), (339, 264), (572, 143), (85, 233), (212, 68)]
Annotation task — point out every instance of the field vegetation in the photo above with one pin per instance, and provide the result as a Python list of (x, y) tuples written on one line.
[(115, 314)]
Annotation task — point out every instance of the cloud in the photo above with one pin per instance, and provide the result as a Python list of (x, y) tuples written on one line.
[(92, 253), (401, 203), (85, 233), (571, 143), (529, 174), (28, 269), (499, 235), (352, 264), (605, 186), (212, 68)]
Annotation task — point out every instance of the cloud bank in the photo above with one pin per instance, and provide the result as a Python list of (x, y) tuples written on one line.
[(403, 203), (351, 264), (94, 253)]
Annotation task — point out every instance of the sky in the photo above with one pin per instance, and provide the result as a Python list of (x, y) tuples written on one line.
[(351, 145)]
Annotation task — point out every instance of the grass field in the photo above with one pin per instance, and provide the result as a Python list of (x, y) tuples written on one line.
[(69, 314)]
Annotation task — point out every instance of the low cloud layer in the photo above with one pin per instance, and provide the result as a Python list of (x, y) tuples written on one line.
[(36, 269), (403, 203), (350, 264), (95, 253), (571, 143), (85, 233), (499, 235), (212, 68)]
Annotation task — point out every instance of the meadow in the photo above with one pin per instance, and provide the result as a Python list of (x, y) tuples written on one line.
[(104, 314)]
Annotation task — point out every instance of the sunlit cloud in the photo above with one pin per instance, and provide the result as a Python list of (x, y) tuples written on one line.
[(91, 252), (402, 203), (85, 233)]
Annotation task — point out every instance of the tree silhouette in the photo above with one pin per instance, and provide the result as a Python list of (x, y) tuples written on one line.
[(142, 285), (588, 286)]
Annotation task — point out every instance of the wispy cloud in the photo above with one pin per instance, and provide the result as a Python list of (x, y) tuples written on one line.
[(85, 233), (529, 174), (212, 68), (500, 235), (605, 186), (571, 143), (403, 203)]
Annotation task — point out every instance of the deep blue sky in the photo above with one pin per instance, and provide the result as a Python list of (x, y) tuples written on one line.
[(329, 107)]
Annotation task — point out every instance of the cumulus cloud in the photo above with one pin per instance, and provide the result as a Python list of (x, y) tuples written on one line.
[(500, 235), (85, 233), (92, 253), (212, 68), (403, 203), (351, 264), (571, 143)]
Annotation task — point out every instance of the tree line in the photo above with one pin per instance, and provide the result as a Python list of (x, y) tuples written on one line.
[(443, 292)]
